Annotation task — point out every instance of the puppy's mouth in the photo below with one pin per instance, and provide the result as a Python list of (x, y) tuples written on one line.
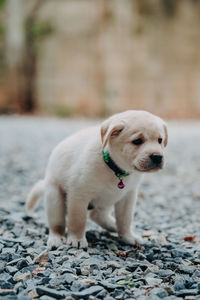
[(149, 169)]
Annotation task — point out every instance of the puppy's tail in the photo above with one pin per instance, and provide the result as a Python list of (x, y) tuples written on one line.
[(34, 195)]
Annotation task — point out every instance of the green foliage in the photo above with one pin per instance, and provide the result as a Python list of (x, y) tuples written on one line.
[(2, 3), (63, 111), (39, 30), (128, 281), (2, 50), (2, 30)]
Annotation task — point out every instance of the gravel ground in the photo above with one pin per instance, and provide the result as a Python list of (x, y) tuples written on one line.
[(167, 266)]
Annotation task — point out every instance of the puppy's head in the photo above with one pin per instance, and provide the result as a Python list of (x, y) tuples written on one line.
[(135, 140)]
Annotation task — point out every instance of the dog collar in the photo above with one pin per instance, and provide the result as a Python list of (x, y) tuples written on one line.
[(119, 173)]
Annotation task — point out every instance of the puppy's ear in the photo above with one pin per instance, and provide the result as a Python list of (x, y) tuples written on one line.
[(166, 135), (109, 130)]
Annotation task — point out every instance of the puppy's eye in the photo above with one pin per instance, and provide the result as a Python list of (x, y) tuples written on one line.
[(138, 142), (160, 141)]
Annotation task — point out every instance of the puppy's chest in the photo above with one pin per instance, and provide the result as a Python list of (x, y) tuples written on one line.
[(111, 194)]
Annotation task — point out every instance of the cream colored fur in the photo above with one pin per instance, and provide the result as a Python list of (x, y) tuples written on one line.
[(76, 175)]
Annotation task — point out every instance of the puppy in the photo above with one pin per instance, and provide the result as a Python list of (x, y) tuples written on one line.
[(100, 168)]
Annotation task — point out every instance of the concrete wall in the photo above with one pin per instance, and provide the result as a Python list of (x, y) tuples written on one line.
[(107, 56)]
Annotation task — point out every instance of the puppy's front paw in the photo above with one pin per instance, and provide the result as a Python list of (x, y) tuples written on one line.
[(132, 239), (54, 241), (77, 243)]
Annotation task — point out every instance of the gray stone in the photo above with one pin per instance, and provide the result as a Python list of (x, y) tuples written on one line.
[(22, 297), (108, 285), (27, 244), (5, 292), (22, 263), (134, 266), (1, 247), (179, 284), (14, 262), (172, 298), (8, 250), (150, 256), (51, 292), (92, 262), (91, 291), (85, 270), (164, 273), (186, 269), (68, 278), (102, 294), (30, 269), (64, 270), (114, 264), (22, 276), (108, 271), (43, 281), (95, 272), (159, 292), (42, 257), (5, 277), (2, 266), (53, 283), (11, 270), (77, 286), (83, 255), (6, 285), (196, 261), (118, 294), (6, 257), (46, 298), (180, 253), (152, 281), (186, 292), (61, 260)]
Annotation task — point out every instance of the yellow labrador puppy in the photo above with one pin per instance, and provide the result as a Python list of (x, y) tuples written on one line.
[(100, 168)]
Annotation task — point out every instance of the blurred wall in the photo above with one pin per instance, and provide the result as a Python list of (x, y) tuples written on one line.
[(110, 55)]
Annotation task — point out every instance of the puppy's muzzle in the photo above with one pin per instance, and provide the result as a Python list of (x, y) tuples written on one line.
[(157, 159)]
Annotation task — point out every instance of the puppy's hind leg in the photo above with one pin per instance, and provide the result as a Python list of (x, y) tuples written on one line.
[(104, 218), (55, 210), (77, 204)]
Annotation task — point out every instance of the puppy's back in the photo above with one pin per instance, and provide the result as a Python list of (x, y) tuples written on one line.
[(73, 151)]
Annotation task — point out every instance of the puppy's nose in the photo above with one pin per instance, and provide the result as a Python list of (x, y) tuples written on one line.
[(156, 158)]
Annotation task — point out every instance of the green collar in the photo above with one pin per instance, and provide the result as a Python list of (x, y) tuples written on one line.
[(112, 165)]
